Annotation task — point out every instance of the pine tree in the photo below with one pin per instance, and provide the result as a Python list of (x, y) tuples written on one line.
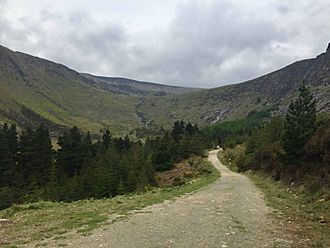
[(127, 143), (178, 130), (44, 155), (106, 139), (35, 157), (104, 178), (87, 146), (5, 161), (26, 157), (70, 156), (300, 123), (8, 152)]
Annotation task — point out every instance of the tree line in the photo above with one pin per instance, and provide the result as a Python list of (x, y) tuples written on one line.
[(294, 148), (31, 170)]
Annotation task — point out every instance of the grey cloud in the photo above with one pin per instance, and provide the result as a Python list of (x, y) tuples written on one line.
[(207, 43)]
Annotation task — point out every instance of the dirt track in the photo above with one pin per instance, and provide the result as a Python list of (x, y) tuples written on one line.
[(228, 213)]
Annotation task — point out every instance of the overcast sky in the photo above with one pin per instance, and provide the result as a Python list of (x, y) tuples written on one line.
[(204, 43)]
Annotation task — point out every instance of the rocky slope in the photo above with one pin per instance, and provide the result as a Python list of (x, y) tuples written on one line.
[(274, 90)]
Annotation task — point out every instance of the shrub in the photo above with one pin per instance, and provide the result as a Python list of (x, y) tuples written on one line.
[(267, 157)]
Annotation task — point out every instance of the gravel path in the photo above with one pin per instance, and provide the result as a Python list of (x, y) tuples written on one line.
[(228, 213)]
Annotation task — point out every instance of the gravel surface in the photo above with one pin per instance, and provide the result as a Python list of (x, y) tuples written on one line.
[(228, 213)]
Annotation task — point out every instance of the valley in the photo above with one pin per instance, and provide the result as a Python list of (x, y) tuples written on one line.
[(35, 90), (170, 124)]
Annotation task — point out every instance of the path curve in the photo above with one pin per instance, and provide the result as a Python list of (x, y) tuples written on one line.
[(228, 213)]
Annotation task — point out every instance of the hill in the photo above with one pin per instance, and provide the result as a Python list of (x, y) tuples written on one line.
[(272, 91), (34, 90)]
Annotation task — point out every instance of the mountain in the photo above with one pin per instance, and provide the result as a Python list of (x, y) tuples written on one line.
[(272, 91), (34, 90), (132, 87)]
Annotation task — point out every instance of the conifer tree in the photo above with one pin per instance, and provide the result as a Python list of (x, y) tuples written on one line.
[(178, 130), (300, 123), (8, 152), (87, 146), (5, 161), (127, 143), (44, 155), (106, 138), (70, 156), (26, 158)]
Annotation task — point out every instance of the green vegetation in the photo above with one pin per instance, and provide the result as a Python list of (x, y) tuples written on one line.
[(230, 133), (31, 171), (300, 124), (36, 222), (300, 159)]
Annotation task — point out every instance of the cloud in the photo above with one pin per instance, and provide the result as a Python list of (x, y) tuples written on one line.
[(206, 43)]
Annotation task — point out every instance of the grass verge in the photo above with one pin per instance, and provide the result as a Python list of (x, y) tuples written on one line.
[(36, 222), (307, 218)]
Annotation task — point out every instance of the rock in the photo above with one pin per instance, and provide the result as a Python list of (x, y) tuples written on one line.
[(4, 221), (322, 220)]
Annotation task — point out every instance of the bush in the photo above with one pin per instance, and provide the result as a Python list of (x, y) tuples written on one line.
[(267, 157), (243, 162), (317, 148)]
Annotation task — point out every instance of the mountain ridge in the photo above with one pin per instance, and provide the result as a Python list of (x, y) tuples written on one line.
[(34, 90), (270, 91)]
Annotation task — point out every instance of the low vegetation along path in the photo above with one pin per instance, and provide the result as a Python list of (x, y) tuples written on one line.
[(228, 213)]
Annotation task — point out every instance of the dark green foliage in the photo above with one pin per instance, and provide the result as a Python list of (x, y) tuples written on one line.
[(25, 165), (106, 139), (300, 123), (231, 133), (264, 151), (34, 158), (71, 155), (178, 130), (318, 146), (6, 162), (184, 140), (30, 170)]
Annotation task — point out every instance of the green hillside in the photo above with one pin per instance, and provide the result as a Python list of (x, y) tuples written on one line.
[(272, 91), (34, 90)]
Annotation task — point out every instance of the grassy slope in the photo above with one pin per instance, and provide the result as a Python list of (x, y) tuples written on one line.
[(193, 106), (68, 98), (62, 96), (274, 90), (39, 221), (72, 104), (59, 95)]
